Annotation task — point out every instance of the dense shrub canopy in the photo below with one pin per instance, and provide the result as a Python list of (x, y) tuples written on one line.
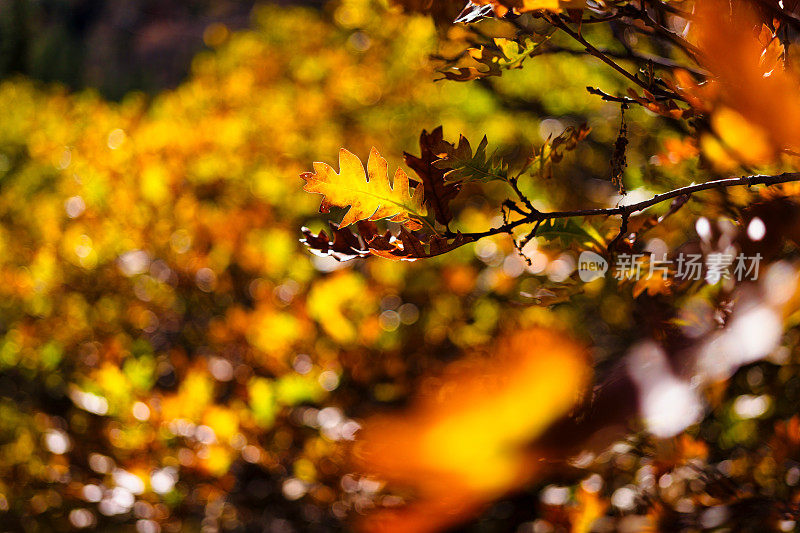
[(173, 358)]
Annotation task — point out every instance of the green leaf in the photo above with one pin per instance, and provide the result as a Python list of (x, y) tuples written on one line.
[(465, 165), (568, 231)]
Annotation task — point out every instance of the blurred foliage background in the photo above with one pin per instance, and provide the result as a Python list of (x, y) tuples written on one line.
[(171, 357)]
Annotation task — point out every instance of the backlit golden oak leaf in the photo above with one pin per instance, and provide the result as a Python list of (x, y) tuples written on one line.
[(369, 195)]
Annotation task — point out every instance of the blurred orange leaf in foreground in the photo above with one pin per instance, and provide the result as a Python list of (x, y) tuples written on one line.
[(464, 440), (752, 80)]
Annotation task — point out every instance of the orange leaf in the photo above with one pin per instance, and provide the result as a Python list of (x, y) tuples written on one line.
[(766, 96), (464, 442)]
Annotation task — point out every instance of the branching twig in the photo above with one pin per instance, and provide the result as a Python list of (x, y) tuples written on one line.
[(676, 40), (629, 209), (618, 99), (637, 57), (591, 49), (622, 229), (520, 246), (511, 206), (514, 185)]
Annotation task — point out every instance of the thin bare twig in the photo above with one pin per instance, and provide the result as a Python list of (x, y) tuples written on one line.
[(629, 209), (592, 50), (514, 185), (637, 57), (623, 227)]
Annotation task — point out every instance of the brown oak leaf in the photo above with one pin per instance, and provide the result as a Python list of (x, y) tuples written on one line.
[(438, 192)]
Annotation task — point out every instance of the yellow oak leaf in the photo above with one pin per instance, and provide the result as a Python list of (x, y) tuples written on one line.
[(369, 195)]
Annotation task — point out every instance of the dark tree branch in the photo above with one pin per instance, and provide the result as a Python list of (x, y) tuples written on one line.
[(676, 40), (634, 56), (592, 50), (622, 229), (625, 211), (514, 185), (618, 99)]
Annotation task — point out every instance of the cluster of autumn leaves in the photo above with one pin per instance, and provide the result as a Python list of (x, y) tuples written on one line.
[(441, 169), (454, 449), (161, 321), (158, 313), (370, 197), (733, 126)]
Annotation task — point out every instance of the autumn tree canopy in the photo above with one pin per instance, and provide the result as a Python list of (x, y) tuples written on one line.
[(406, 266), (719, 77)]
